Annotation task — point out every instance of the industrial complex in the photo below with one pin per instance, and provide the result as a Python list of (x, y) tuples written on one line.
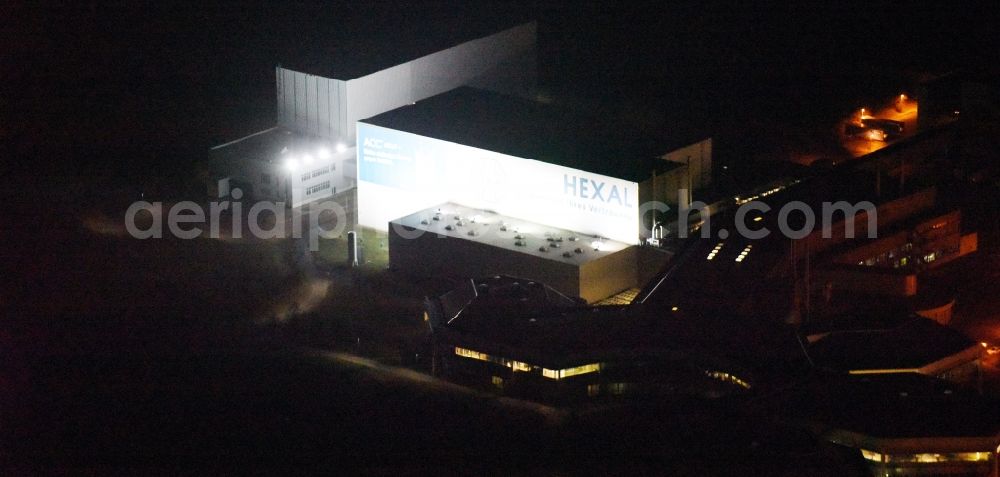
[(541, 215)]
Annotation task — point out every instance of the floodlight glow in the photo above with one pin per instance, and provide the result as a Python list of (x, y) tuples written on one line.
[(323, 153), (307, 159), (291, 164), (341, 147)]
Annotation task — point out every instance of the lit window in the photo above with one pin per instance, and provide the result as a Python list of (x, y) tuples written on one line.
[(870, 455), (468, 353), (715, 251), (587, 368), (593, 390), (744, 253), (520, 366), (515, 365), (729, 378), (497, 381), (568, 372)]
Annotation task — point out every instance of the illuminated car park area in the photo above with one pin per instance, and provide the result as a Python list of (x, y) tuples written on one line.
[(867, 130)]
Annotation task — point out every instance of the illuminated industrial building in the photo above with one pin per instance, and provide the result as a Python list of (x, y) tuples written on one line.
[(523, 159), (310, 154), (461, 126), (523, 162)]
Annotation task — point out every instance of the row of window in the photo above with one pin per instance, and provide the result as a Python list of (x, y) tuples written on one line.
[(927, 457), (318, 187), (902, 257), (522, 366), (318, 172), (729, 378), (266, 178), (615, 389)]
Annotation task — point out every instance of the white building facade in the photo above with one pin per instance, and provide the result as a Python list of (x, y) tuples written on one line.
[(311, 154)]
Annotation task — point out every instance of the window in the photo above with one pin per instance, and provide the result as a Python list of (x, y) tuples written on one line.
[(565, 373), (593, 390), (265, 178), (468, 353), (618, 388), (498, 382)]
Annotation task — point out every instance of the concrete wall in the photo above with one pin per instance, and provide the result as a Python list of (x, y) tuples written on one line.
[(608, 275), (431, 255), (698, 159), (310, 104)]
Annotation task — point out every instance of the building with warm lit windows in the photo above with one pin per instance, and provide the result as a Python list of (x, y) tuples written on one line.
[(521, 338), (899, 424), (833, 267)]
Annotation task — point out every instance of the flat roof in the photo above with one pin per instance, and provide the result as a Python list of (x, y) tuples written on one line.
[(524, 320), (490, 228), (897, 406), (532, 130), (387, 39), (910, 345)]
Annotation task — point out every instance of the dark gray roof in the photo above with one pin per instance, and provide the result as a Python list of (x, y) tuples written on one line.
[(913, 344), (896, 406), (531, 130)]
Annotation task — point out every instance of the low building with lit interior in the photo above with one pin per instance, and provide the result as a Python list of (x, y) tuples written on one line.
[(521, 338), (899, 424)]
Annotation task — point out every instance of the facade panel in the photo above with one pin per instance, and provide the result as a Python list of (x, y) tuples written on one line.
[(399, 173)]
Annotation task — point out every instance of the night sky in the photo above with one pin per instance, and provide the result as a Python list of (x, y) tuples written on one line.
[(138, 91)]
